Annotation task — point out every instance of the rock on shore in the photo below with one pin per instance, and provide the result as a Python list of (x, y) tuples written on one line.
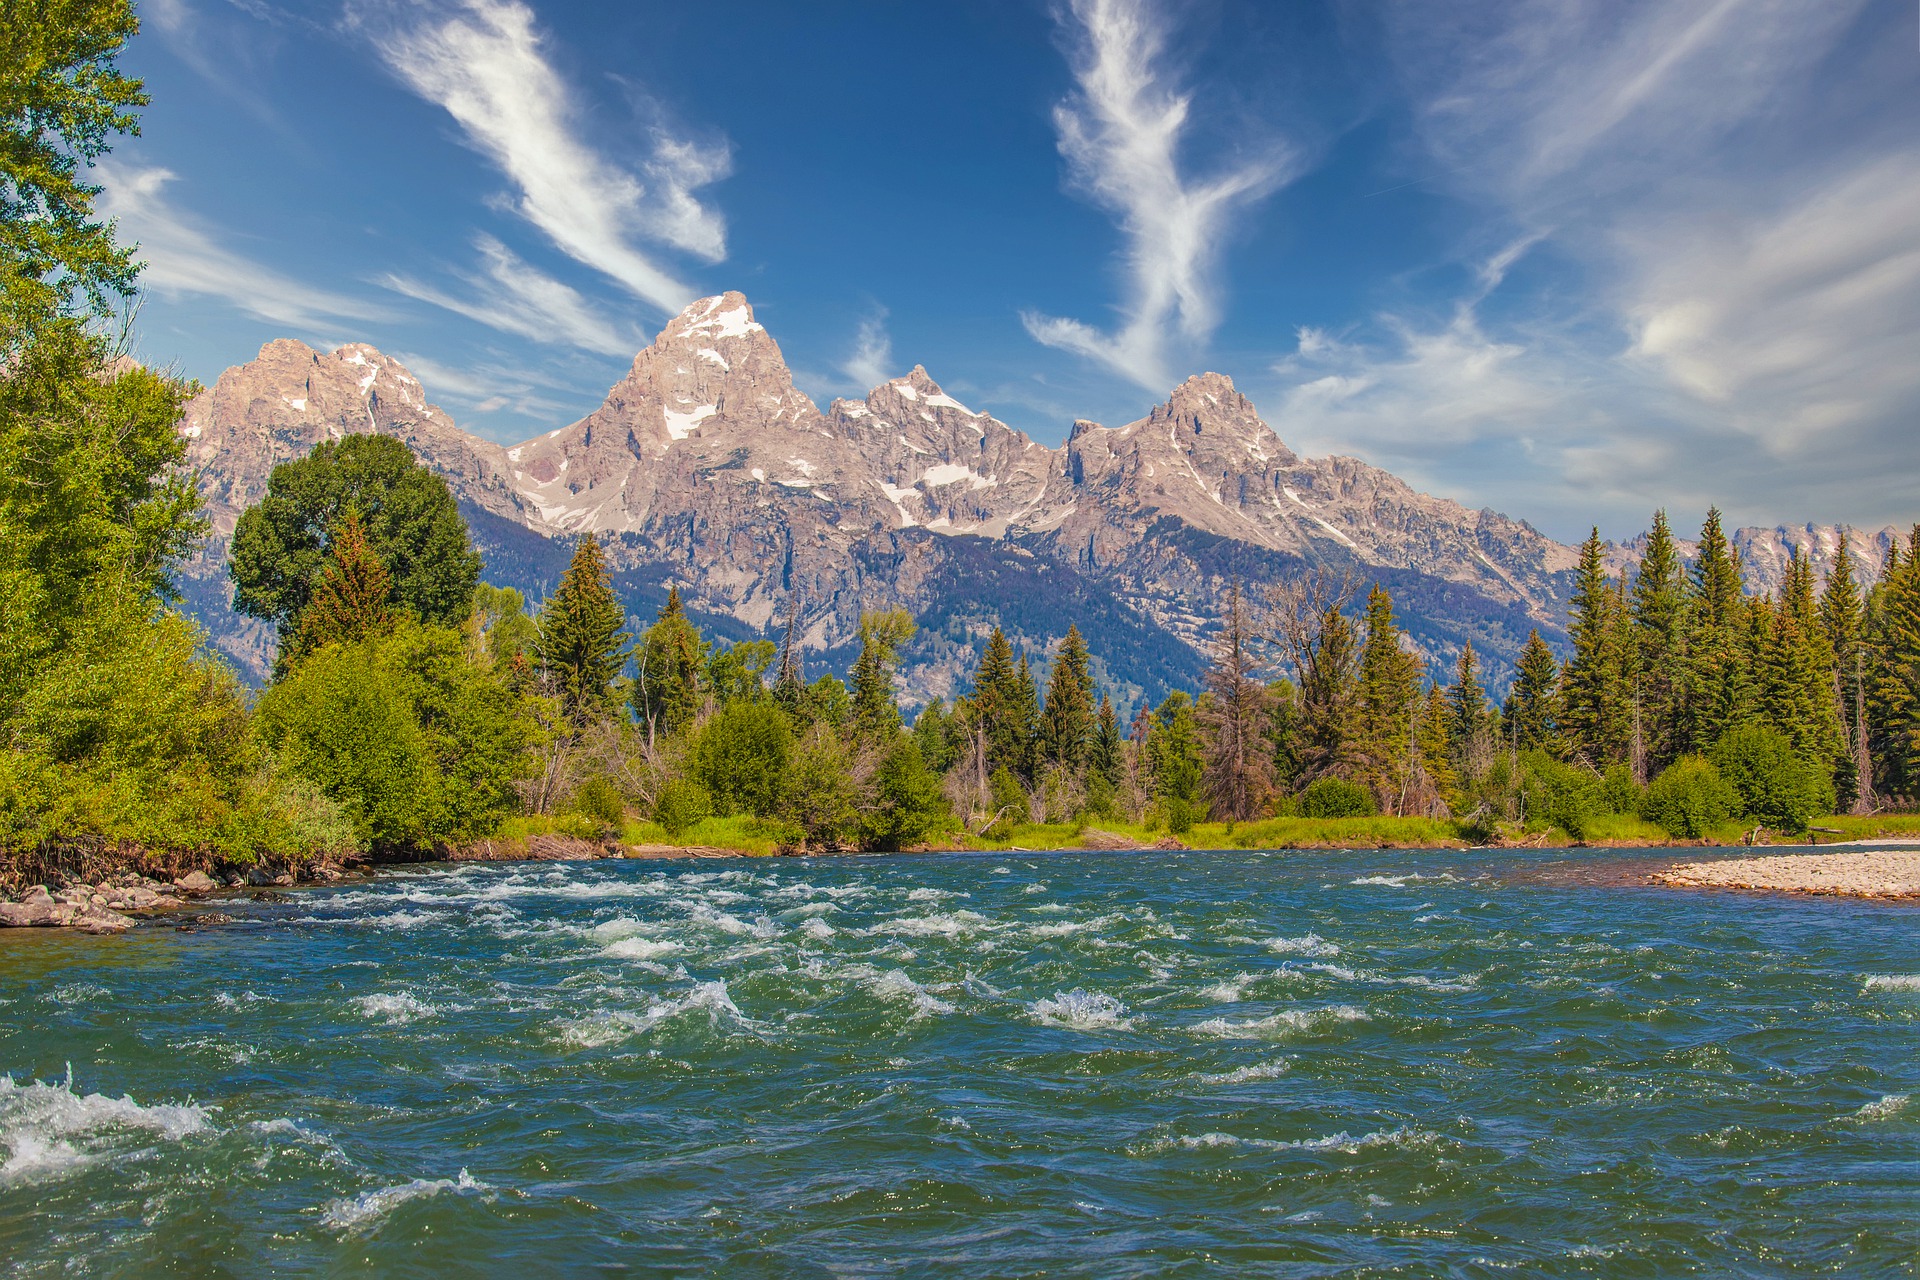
[(1879, 873), (103, 907)]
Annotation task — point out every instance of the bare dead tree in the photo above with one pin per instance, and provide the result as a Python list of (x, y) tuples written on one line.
[(1239, 764)]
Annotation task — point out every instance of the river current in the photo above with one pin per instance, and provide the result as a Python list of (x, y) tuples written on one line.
[(1265, 1064)]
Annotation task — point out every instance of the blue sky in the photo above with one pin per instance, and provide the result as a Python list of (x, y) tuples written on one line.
[(1571, 259)]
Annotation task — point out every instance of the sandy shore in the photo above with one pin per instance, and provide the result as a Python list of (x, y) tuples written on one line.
[(1881, 873)]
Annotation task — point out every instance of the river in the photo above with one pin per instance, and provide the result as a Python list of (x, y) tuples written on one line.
[(1249, 1064)]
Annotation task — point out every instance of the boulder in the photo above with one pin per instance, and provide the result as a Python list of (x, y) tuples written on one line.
[(38, 893), (101, 920), (40, 911), (196, 882)]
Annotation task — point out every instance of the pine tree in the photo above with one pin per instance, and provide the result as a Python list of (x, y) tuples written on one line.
[(1893, 681), (790, 683), (1659, 618), (1721, 691), (1066, 724), (1023, 722), (995, 705), (349, 600), (1596, 711), (1843, 620), (670, 661), (582, 647), (1329, 745), (1532, 717), (1466, 701), (1179, 768), (1239, 761), (1103, 753), (1804, 668), (876, 715), (1385, 693), (1436, 750)]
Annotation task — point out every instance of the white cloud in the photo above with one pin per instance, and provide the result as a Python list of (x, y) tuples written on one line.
[(1121, 136), (183, 256), (515, 298), (486, 65), (872, 360)]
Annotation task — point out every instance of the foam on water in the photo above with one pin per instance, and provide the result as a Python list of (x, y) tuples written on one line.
[(1404, 1137), (394, 1008), (1245, 1075), (894, 984), (612, 1026), (641, 948), (1082, 1010), (48, 1130), (1892, 982), (369, 1209), (1285, 1023), (1886, 1108), (1311, 944)]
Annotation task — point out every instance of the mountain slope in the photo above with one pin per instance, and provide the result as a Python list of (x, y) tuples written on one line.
[(706, 469)]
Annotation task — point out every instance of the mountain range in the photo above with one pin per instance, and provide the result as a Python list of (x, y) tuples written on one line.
[(706, 469)]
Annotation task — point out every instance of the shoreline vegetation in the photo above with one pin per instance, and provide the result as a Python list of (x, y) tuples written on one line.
[(417, 711)]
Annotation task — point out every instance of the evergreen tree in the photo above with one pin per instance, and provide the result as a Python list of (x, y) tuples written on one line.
[(1843, 619), (1721, 689), (789, 685), (1466, 701), (1066, 725), (1385, 694), (582, 647), (1329, 744), (349, 602), (669, 663), (1532, 716), (1802, 674), (1893, 682), (1239, 761), (932, 731), (1596, 712), (1659, 618), (1023, 721), (1103, 753), (1179, 767), (995, 703), (1436, 788), (876, 715)]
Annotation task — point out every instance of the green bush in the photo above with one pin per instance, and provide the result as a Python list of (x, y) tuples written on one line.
[(1565, 795), (1335, 798), (908, 804), (1774, 785), (1182, 813), (1689, 799), (598, 800), (820, 805), (1010, 801), (1619, 792), (741, 756), (682, 805)]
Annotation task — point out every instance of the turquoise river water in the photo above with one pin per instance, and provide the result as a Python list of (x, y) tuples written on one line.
[(1282, 1064)]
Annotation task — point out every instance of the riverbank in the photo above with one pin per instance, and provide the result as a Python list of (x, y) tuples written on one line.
[(1880, 873)]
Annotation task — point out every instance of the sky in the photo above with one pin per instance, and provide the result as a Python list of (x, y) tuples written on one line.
[(1569, 259)]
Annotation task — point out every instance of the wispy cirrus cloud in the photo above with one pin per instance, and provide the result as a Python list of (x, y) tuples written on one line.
[(871, 361), (1121, 134), (486, 64), (185, 256), (509, 295)]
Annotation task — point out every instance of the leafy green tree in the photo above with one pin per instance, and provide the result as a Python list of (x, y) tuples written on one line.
[(670, 662), (876, 715), (350, 599), (907, 804), (1066, 724), (502, 630), (828, 702), (280, 545), (582, 647), (1336, 798), (737, 673), (1659, 658), (741, 757), (1775, 783), (682, 805), (938, 745), (1532, 717), (1565, 795), (62, 99)]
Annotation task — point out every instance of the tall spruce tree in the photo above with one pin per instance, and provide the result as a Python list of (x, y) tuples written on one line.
[(1466, 701), (1386, 692), (1843, 618), (1437, 788), (995, 705), (1239, 759), (1532, 716), (1596, 711), (1801, 668), (582, 647), (1328, 731), (1103, 752), (1066, 723), (1722, 692), (1023, 721), (349, 602), (668, 664), (1659, 614), (1893, 693)]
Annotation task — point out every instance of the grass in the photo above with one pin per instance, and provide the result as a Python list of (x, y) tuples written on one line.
[(740, 832), (1328, 833)]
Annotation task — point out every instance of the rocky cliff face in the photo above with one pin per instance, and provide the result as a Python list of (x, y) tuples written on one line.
[(705, 468)]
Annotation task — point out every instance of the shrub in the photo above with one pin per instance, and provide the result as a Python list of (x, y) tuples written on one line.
[(682, 805), (820, 804), (1335, 798), (1689, 799), (1774, 785), (1010, 801), (741, 757), (1565, 795), (1182, 813), (908, 803), (598, 800), (1619, 792)]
